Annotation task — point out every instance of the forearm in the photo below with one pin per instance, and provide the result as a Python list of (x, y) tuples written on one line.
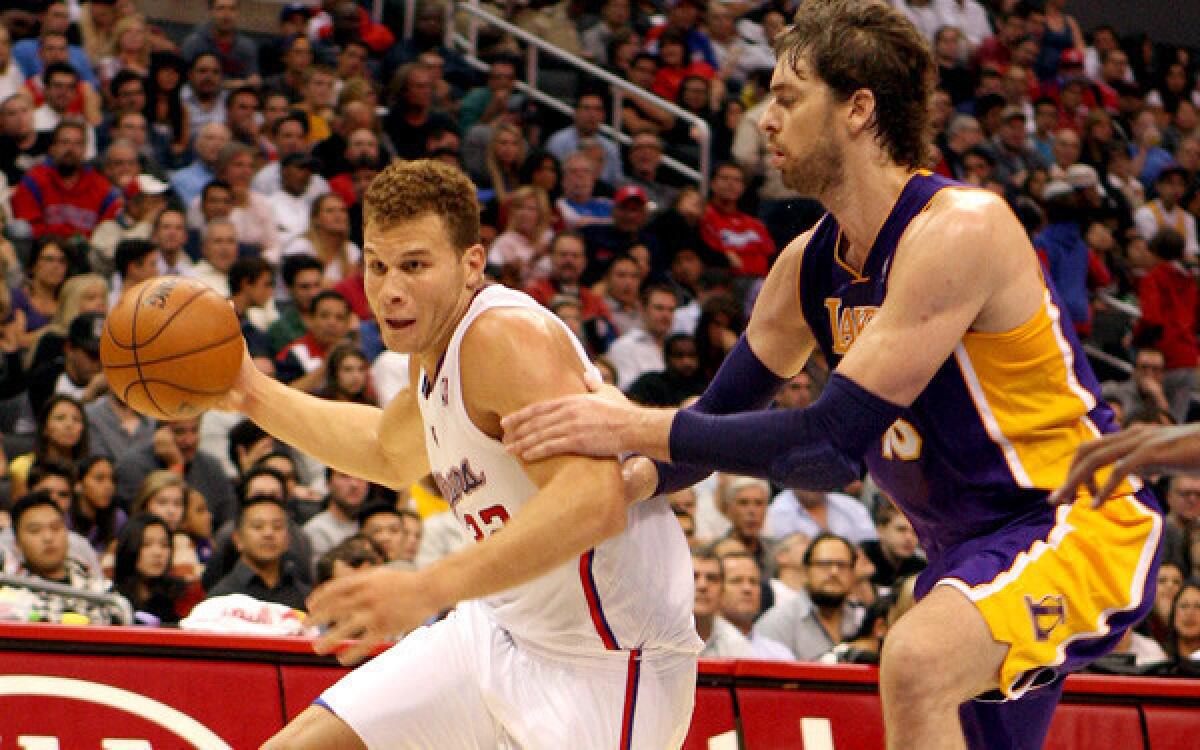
[(340, 434), (556, 525)]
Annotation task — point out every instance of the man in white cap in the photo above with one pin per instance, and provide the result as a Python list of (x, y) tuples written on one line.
[(145, 198)]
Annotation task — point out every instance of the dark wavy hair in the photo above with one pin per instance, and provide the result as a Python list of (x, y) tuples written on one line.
[(162, 591), (866, 44)]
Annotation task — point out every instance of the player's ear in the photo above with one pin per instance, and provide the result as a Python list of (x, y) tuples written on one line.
[(860, 110), (475, 261)]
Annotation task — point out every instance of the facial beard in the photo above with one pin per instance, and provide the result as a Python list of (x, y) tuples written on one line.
[(67, 168), (818, 171), (827, 599)]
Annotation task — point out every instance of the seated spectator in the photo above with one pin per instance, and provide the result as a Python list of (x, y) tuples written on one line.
[(35, 301), (61, 437), (1165, 211), (21, 144), (579, 206), (351, 555), (1168, 298), (484, 104), (567, 263), (864, 646), (251, 284), (1182, 521), (63, 195), (499, 174), (630, 215), (647, 171), (521, 251), (1184, 641), (411, 117), (297, 57), (302, 278), (339, 520), (383, 523), (218, 253), (145, 199), (136, 261), (219, 37), (1144, 390), (721, 639), (741, 604), (262, 570), (811, 512), (60, 103), (678, 381), (895, 553), (327, 238), (300, 363), (741, 238), (40, 530), (1169, 581), (93, 513), (292, 203), (114, 428), (176, 447), (348, 376), (675, 65), (789, 567), (641, 350), (620, 288), (197, 524), (744, 501), (56, 479), (188, 182), (143, 573), (262, 482), (589, 114), (812, 624), (163, 494), (76, 371)]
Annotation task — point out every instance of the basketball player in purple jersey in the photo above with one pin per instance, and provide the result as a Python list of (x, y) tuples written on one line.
[(957, 382)]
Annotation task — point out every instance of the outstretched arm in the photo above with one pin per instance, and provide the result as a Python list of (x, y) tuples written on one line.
[(578, 504)]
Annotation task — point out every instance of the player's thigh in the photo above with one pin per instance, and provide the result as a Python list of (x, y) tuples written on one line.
[(644, 704), (943, 648), (424, 692), (315, 728)]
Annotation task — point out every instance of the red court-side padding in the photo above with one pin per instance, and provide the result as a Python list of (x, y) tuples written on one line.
[(1077, 726), (303, 684), (1173, 727), (714, 704)]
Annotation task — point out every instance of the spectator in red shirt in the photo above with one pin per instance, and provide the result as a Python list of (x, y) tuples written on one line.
[(568, 260), (743, 239), (1168, 299), (63, 196)]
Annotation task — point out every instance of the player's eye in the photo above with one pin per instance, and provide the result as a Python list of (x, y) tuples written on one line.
[(377, 266), (412, 266)]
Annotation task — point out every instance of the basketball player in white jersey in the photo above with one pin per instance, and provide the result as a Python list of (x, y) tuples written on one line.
[(573, 626)]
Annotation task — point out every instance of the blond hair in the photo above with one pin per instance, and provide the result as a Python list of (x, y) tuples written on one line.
[(500, 175), (408, 190), (541, 200), (154, 483)]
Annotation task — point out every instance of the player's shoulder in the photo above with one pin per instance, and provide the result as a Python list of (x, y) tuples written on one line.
[(966, 209), (516, 329)]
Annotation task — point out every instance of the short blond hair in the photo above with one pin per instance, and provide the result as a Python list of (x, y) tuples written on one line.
[(408, 190)]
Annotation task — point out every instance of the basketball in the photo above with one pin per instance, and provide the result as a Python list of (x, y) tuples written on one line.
[(171, 347)]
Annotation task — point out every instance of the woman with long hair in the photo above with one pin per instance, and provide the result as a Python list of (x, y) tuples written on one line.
[(61, 436), (93, 512), (721, 322), (328, 239), (130, 50), (87, 292), (348, 376), (1184, 639), (37, 296), (142, 572), (165, 112), (197, 524), (164, 493), (541, 169), (523, 247), (505, 154)]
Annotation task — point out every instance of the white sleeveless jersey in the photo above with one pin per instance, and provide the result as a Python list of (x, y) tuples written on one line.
[(635, 590)]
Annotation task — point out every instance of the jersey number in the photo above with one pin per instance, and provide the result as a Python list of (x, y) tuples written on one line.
[(491, 520), (901, 442)]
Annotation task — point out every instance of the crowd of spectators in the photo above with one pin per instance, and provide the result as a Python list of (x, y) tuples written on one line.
[(127, 152)]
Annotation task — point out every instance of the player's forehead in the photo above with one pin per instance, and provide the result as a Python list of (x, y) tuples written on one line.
[(794, 71), (425, 235)]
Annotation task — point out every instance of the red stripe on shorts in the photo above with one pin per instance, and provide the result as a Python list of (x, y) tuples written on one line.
[(593, 600), (631, 689)]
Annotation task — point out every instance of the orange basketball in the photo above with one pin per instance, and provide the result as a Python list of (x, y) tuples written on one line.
[(171, 347)]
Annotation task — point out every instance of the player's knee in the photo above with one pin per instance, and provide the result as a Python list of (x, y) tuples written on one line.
[(914, 664)]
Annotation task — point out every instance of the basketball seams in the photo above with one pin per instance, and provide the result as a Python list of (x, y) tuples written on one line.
[(174, 314), (136, 359), (180, 355)]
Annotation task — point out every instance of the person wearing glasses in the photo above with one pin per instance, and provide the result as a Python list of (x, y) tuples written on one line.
[(822, 616)]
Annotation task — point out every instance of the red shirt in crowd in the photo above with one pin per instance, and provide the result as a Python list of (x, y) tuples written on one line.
[(52, 207), (741, 234), (1168, 298)]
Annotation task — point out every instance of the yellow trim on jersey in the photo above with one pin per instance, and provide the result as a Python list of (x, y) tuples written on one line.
[(1028, 398), (1063, 588)]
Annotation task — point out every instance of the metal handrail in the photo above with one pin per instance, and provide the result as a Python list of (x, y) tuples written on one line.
[(1116, 303), (621, 87), (116, 603)]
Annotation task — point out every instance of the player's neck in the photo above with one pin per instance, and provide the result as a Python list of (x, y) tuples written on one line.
[(863, 201), (431, 358)]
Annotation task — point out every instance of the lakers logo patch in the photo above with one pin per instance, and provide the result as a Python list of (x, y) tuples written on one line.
[(1047, 614)]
